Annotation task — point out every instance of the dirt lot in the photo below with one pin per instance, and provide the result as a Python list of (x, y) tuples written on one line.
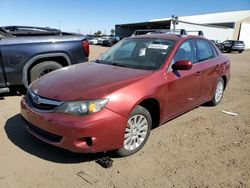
[(202, 148)]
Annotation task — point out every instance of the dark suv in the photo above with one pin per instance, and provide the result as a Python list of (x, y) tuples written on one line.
[(233, 45)]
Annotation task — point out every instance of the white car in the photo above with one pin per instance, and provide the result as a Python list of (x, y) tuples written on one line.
[(93, 41), (100, 40)]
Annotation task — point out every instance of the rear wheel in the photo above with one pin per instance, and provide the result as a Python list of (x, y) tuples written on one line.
[(137, 131), (43, 68), (218, 94)]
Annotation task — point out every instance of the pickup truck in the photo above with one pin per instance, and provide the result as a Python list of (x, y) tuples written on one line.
[(27, 53)]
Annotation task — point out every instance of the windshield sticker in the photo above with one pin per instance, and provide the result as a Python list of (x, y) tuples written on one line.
[(142, 52), (158, 46)]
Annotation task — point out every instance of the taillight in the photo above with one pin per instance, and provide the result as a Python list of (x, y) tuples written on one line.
[(85, 46)]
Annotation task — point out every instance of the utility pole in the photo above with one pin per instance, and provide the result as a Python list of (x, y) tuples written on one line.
[(174, 21)]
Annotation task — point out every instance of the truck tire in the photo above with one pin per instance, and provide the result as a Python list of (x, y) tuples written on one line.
[(43, 68)]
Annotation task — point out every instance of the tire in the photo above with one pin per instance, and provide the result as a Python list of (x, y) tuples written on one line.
[(240, 51), (19, 89), (135, 139), (43, 68), (218, 93)]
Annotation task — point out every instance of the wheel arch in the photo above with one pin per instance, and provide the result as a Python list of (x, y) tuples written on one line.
[(225, 80), (61, 58), (153, 106)]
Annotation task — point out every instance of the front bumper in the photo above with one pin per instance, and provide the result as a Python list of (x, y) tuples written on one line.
[(102, 131)]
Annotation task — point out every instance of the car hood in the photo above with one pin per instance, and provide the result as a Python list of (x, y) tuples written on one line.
[(86, 81)]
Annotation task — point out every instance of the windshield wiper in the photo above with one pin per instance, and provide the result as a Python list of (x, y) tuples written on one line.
[(109, 63), (117, 64), (97, 61)]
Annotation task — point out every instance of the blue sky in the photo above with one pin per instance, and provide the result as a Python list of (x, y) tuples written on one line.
[(92, 15)]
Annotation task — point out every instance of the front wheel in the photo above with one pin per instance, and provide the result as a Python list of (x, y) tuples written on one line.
[(240, 51), (136, 132), (218, 94)]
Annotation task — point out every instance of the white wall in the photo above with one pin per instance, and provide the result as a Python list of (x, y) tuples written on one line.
[(221, 17), (213, 33), (245, 34)]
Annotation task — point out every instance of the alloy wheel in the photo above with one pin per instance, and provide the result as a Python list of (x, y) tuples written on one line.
[(136, 132)]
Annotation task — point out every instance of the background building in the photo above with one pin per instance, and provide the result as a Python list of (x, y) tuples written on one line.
[(217, 26)]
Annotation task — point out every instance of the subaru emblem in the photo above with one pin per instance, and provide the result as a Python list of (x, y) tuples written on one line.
[(36, 99), (36, 91)]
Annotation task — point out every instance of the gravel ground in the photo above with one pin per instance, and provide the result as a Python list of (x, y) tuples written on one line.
[(202, 148)]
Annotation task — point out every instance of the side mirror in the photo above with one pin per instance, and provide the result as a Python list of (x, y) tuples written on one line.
[(182, 65)]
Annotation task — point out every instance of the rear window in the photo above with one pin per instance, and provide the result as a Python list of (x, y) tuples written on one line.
[(239, 42)]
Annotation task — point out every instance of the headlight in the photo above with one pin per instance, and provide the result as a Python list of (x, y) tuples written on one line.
[(80, 108)]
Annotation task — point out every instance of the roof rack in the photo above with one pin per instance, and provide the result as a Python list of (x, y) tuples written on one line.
[(181, 32), (154, 31), (200, 33)]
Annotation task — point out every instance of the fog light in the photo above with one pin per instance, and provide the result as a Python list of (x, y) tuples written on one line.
[(90, 141)]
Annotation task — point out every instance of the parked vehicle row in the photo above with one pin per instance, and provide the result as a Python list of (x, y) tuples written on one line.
[(230, 45), (27, 53), (233, 45), (114, 102), (105, 41)]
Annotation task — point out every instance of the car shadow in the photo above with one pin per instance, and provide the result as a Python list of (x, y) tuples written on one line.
[(232, 52), (10, 94), (25, 141)]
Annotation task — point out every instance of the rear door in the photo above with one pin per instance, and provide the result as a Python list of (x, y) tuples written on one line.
[(210, 68)]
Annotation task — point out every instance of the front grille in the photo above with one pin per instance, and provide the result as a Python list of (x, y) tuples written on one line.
[(41, 103), (42, 133)]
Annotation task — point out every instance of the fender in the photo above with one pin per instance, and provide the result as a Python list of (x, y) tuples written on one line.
[(33, 59)]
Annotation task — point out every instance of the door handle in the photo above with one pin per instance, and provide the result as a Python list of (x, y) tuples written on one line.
[(198, 73)]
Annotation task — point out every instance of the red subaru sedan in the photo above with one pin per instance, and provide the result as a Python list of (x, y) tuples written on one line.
[(113, 103)]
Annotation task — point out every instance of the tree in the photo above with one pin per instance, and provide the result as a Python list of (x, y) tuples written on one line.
[(112, 32), (98, 34)]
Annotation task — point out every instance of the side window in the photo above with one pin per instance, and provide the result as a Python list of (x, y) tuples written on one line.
[(214, 50), (186, 51), (204, 50)]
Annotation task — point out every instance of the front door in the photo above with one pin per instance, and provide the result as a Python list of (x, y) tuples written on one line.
[(184, 85)]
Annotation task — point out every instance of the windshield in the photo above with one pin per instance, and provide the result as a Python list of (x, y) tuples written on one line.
[(147, 54), (239, 42)]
